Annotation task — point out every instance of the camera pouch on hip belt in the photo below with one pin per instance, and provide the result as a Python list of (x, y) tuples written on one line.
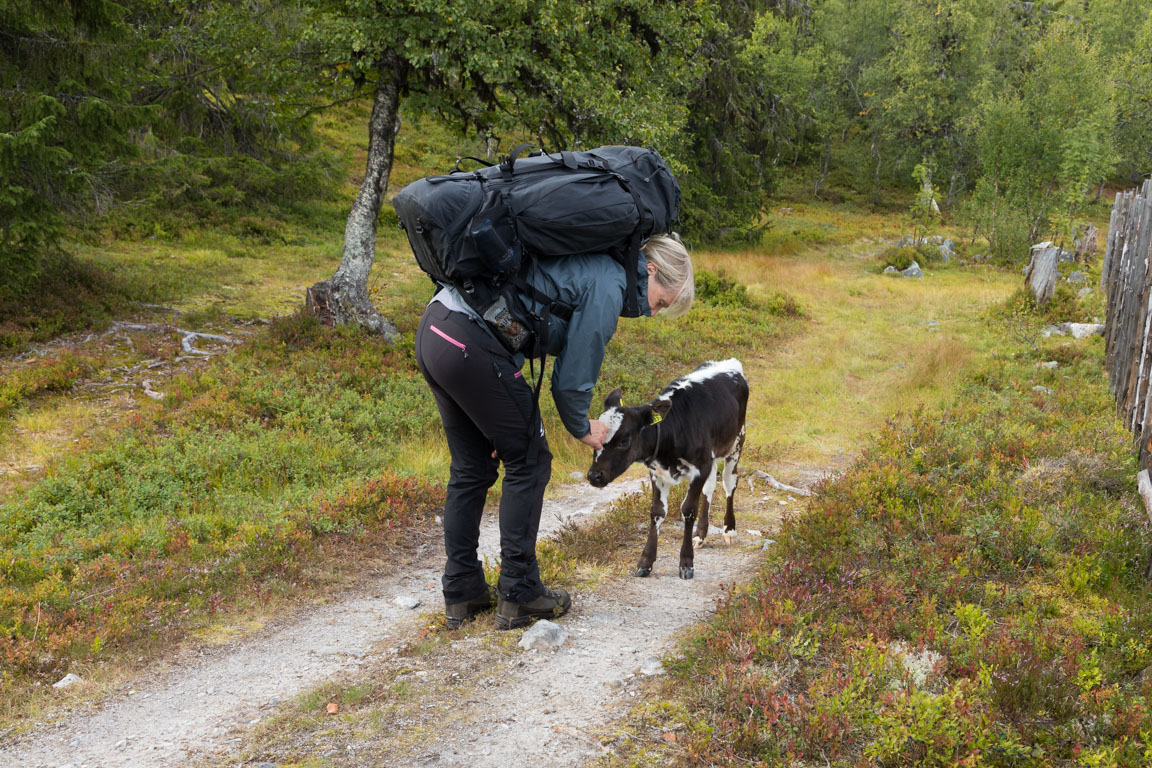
[(511, 332)]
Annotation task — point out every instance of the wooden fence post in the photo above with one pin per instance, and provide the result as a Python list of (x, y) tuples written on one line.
[(1126, 278)]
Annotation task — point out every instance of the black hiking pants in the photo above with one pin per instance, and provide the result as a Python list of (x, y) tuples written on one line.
[(485, 405)]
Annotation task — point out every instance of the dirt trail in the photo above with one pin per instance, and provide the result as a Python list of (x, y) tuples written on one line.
[(198, 712)]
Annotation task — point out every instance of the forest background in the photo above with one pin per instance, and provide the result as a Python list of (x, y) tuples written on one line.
[(145, 118)]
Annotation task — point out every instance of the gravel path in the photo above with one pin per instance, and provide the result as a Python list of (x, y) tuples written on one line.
[(547, 706), (194, 708)]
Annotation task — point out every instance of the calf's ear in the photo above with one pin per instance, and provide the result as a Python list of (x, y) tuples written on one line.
[(613, 399), (660, 409)]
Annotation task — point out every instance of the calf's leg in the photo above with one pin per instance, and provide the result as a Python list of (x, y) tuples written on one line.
[(660, 488), (731, 480), (688, 510), (705, 504)]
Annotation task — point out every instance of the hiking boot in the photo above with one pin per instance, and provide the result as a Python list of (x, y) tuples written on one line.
[(553, 604), (456, 614)]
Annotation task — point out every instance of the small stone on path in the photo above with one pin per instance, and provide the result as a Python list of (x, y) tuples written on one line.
[(406, 601), (652, 666), (544, 635)]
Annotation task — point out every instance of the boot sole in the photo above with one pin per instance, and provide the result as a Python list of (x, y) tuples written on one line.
[(503, 622), (453, 622)]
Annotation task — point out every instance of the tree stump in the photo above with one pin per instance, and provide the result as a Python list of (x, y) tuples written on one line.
[(333, 303)]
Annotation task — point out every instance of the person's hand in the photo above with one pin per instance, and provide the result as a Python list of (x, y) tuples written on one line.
[(597, 431)]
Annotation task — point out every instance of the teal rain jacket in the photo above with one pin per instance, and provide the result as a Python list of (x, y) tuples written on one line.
[(594, 285)]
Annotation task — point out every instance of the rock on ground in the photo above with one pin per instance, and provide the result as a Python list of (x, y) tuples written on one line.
[(544, 635), (1083, 330)]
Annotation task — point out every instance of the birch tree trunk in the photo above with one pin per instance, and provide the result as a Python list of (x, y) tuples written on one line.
[(343, 298)]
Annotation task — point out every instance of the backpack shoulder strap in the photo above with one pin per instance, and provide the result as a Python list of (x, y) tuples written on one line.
[(552, 306)]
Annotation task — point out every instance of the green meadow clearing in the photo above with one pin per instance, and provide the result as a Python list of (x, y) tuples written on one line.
[(979, 523)]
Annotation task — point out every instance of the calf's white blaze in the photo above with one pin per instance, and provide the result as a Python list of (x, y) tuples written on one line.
[(729, 367), (612, 419)]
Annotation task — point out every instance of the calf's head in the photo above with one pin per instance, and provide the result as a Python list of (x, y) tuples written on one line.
[(624, 444)]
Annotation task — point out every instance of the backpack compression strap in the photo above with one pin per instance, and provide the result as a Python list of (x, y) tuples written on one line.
[(631, 259)]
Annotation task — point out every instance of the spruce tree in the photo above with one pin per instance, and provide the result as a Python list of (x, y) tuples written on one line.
[(65, 115)]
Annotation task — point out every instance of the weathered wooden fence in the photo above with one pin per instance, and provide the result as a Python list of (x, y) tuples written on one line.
[(1126, 275)]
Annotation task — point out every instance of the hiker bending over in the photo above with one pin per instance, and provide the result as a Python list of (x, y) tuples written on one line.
[(490, 415)]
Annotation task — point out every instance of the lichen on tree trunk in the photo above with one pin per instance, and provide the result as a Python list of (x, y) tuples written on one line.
[(343, 298)]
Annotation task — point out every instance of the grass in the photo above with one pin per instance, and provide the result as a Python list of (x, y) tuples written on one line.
[(874, 344), (971, 591)]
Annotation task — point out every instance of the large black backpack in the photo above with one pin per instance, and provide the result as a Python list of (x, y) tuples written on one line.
[(481, 230)]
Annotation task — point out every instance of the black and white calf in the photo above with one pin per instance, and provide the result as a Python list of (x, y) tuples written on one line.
[(694, 426)]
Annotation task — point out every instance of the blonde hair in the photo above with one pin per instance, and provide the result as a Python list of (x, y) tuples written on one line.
[(673, 271)]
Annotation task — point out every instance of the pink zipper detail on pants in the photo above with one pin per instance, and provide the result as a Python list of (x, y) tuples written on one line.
[(448, 338)]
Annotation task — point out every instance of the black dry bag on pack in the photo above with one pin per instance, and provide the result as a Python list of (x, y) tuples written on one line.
[(480, 230)]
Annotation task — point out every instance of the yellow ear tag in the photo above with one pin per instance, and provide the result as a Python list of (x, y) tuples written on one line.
[(621, 402), (656, 417)]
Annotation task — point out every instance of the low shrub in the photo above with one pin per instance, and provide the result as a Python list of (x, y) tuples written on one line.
[(54, 374), (970, 592), (902, 257), (718, 289), (254, 462), (1065, 306)]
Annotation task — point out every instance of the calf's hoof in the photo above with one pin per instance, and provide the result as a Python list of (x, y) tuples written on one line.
[(687, 571), (697, 541), (642, 572)]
